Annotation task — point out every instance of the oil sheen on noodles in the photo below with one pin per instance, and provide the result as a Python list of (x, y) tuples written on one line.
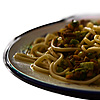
[(70, 54)]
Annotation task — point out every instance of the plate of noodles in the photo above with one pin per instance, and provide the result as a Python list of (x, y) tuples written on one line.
[(62, 57)]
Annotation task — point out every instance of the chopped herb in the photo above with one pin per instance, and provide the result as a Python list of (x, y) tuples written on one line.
[(68, 73), (89, 54), (74, 41), (74, 23), (59, 69), (87, 65), (80, 27), (30, 47), (66, 45), (78, 69)]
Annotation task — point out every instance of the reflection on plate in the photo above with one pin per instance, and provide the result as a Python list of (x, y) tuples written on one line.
[(45, 81)]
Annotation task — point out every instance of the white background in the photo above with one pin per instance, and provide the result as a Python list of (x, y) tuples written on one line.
[(19, 16)]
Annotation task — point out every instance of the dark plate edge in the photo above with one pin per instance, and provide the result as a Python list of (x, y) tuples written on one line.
[(57, 89)]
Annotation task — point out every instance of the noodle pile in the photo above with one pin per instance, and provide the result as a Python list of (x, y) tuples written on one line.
[(71, 54)]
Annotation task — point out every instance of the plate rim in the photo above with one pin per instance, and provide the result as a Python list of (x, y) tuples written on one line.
[(86, 94)]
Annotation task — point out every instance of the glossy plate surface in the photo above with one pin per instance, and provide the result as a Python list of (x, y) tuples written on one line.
[(23, 71)]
